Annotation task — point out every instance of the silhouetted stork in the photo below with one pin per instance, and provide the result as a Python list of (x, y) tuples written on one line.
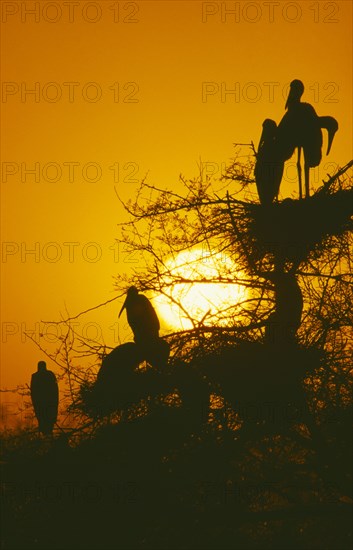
[(300, 128), (45, 397), (141, 316), (269, 165), (119, 365), (144, 322)]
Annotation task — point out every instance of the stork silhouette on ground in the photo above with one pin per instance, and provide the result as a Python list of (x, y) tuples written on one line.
[(145, 325), (45, 398), (300, 128)]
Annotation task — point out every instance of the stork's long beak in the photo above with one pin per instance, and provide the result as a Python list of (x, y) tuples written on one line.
[(122, 309), (331, 135)]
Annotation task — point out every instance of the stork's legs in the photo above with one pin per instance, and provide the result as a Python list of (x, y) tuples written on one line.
[(299, 168), (306, 175)]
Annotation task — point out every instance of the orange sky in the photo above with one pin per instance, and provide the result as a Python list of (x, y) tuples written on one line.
[(160, 55)]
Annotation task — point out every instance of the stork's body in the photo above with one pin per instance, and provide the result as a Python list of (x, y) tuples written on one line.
[(141, 316), (45, 398), (300, 128), (144, 323), (269, 164)]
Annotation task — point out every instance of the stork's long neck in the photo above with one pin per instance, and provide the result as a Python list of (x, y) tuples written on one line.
[(292, 102)]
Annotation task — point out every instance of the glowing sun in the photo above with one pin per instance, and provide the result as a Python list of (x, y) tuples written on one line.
[(186, 302)]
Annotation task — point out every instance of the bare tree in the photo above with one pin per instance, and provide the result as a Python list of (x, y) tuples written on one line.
[(311, 239)]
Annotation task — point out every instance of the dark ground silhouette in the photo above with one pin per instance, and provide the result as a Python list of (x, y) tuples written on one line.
[(180, 477)]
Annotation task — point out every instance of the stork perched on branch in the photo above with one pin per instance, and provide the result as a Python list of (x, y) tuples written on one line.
[(144, 323), (300, 128), (141, 316), (269, 166)]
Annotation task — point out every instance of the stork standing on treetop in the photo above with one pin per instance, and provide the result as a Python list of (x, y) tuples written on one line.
[(141, 317), (300, 128), (269, 166), (144, 323)]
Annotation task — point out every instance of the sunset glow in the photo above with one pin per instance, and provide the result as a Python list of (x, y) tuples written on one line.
[(188, 303), (97, 95)]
